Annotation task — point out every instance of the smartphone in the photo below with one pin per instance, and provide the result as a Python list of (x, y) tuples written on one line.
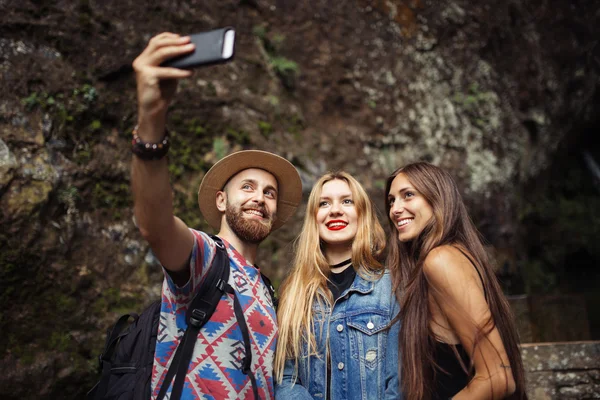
[(212, 47)]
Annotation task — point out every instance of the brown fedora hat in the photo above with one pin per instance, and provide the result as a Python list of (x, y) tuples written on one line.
[(288, 180)]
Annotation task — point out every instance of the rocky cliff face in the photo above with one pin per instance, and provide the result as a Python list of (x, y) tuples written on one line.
[(497, 92), (562, 370)]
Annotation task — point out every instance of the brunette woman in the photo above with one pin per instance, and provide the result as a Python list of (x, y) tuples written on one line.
[(336, 307), (458, 339)]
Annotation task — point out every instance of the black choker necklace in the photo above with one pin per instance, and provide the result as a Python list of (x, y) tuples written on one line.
[(343, 263)]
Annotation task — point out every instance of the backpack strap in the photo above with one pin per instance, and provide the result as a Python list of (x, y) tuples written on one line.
[(271, 289), (199, 312)]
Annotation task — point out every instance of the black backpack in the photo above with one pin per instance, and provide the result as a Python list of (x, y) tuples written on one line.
[(128, 356)]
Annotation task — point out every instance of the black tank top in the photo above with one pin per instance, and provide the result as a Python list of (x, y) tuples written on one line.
[(338, 283), (451, 378)]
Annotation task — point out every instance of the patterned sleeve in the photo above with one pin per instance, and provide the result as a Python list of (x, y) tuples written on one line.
[(201, 258)]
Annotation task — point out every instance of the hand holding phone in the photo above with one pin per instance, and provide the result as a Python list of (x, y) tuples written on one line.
[(211, 47)]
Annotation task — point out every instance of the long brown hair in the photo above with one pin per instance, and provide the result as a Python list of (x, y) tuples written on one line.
[(449, 225), (307, 282)]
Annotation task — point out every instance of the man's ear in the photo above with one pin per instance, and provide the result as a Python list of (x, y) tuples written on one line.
[(221, 201)]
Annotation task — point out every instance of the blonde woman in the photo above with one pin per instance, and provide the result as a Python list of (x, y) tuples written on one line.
[(337, 305)]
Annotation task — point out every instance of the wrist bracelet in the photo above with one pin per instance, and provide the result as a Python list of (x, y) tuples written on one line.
[(149, 151)]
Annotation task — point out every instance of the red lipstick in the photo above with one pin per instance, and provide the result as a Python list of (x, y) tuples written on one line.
[(336, 225)]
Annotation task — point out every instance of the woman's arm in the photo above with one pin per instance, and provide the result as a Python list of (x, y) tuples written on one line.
[(288, 388), (456, 287)]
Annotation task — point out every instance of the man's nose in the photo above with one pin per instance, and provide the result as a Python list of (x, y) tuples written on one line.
[(259, 197)]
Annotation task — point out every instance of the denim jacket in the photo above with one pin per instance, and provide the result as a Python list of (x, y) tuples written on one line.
[(364, 353)]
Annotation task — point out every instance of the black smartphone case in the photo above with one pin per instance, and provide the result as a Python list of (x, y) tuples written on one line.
[(208, 51)]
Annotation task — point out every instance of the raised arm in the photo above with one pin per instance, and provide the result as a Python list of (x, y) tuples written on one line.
[(168, 236), (457, 289)]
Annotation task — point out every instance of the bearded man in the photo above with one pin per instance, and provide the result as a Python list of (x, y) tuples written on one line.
[(245, 196)]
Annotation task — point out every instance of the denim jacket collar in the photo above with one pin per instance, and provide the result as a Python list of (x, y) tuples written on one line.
[(359, 285)]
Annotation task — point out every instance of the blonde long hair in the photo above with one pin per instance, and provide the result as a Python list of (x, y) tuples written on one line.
[(307, 281)]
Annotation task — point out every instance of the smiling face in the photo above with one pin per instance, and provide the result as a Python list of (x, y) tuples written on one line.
[(250, 204), (409, 210), (337, 217)]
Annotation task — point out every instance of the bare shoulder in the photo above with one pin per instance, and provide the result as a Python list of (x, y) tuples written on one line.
[(447, 266)]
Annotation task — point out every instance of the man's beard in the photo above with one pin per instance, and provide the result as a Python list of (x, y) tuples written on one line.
[(250, 231)]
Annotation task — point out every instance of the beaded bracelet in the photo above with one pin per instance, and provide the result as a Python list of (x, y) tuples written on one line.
[(149, 151)]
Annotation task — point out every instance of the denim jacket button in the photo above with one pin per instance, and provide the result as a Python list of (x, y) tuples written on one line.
[(370, 325), (340, 328), (341, 366)]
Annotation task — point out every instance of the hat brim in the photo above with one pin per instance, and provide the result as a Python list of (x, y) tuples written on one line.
[(289, 189)]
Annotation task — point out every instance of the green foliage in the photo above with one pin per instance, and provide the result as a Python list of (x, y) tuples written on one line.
[(32, 101), (260, 31), (273, 100), (113, 300), (481, 106), (379, 184), (198, 130), (210, 89), (72, 113), (188, 148), (59, 341), (265, 128), (293, 124), (111, 195), (96, 125), (286, 69), (474, 97), (82, 153), (237, 136), (278, 40), (64, 105), (69, 196), (176, 170), (86, 92), (186, 208), (220, 147), (284, 66)]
